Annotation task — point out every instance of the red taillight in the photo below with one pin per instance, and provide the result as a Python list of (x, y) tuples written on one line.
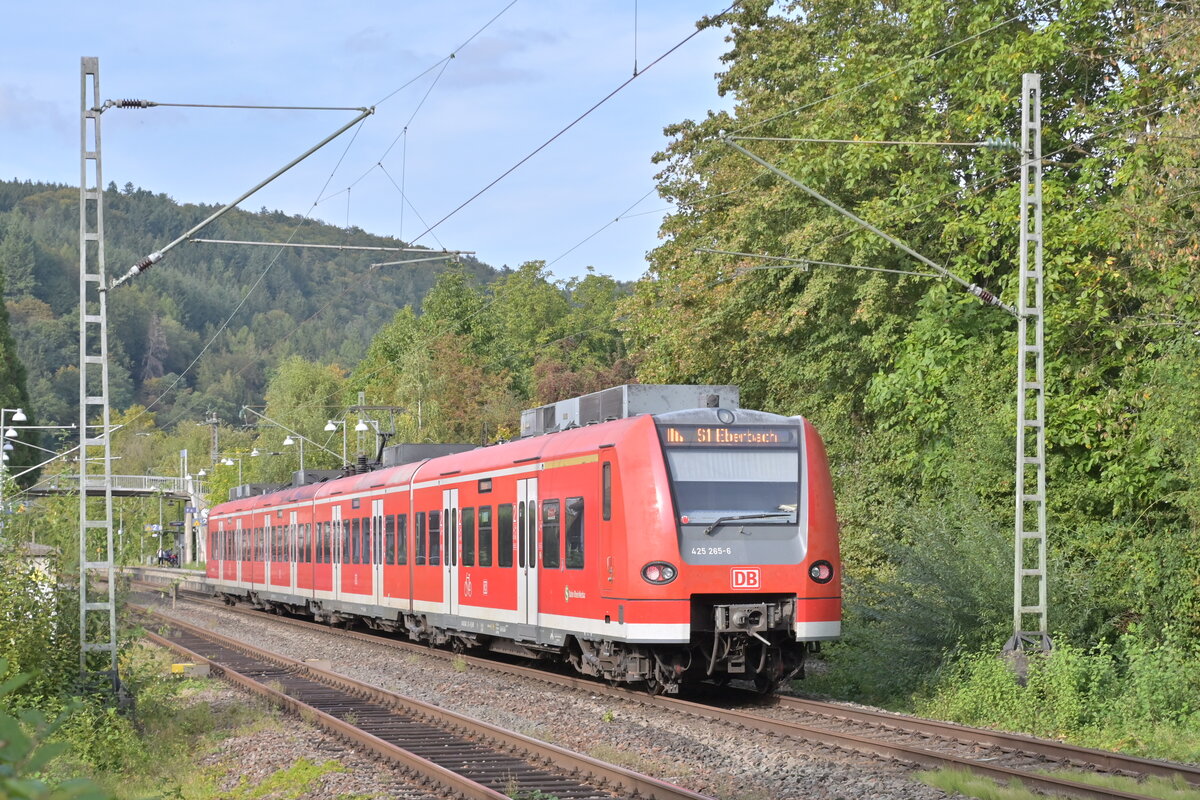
[(659, 572), (821, 571)]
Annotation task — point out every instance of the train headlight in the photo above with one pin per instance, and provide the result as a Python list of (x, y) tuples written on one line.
[(659, 572), (821, 571)]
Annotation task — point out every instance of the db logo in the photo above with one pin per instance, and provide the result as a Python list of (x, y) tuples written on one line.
[(743, 578)]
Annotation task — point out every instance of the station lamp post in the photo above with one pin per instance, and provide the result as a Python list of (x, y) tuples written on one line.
[(331, 426), (289, 441)]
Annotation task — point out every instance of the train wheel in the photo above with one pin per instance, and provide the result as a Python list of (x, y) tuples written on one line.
[(653, 687), (764, 684)]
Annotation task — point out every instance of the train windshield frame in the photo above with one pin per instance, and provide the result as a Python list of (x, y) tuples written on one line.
[(736, 491), (731, 470)]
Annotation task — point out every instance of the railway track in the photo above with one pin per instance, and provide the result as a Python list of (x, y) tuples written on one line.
[(465, 757), (998, 755)]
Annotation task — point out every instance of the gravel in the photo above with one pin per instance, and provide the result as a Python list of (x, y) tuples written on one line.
[(248, 761), (706, 757)]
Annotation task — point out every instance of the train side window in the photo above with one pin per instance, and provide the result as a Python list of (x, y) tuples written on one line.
[(355, 542), (347, 547), (377, 529), (606, 490), (365, 549), (468, 537), (402, 538), (550, 526), (574, 533), (419, 559), (389, 539), (485, 536), (521, 534), (435, 538), (504, 535), (322, 542)]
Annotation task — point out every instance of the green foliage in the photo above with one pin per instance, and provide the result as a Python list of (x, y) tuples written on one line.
[(464, 369), (917, 601), (322, 305), (296, 781), (1139, 695), (39, 634), (25, 752), (911, 380)]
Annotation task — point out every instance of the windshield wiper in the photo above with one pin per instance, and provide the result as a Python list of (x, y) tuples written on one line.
[(721, 520)]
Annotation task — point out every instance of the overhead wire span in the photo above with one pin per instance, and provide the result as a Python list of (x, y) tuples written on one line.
[(602, 228), (225, 324), (154, 104), (919, 59), (973, 188), (453, 52), (158, 255), (804, 262), (321, 197), (978, 291), (371, 248), (408, 202), (568, 127), (443, 63), (1003, 144)]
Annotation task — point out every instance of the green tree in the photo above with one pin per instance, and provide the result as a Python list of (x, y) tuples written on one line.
[(13, 393), (908, 377)]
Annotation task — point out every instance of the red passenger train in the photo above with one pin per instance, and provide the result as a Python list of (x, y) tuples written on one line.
[(664, 548)]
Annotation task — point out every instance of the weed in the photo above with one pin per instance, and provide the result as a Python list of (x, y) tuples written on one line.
[(459, 663), (608, 716), (536, 794), (1162, 788), (954, 781), (622, 758)]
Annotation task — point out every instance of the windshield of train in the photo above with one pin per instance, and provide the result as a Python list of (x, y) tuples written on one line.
[(731, 471)]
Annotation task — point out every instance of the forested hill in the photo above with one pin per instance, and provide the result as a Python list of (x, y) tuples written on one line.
[(322, 305)]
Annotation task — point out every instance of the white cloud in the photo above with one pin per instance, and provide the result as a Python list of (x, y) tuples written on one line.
[(20, 110)]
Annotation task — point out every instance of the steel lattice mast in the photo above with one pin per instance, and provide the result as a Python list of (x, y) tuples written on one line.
[(95, 454), (1029, 571)]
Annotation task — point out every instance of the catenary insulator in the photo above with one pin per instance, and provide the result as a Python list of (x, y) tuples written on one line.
[(984, 295), (128, 103)]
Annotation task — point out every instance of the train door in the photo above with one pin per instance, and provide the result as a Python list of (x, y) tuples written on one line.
[(450, 549), (606, 524), (238, 544), (377, 551), (335, 535), (267, 556), (292, 549), (527, 551)]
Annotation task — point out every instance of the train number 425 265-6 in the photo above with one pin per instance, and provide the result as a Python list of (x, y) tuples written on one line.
[(712, 551)]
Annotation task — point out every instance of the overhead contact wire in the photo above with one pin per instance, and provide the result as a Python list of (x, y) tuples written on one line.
[(568, 127)]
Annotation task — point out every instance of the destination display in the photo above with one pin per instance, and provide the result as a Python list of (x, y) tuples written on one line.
[(723, 436)]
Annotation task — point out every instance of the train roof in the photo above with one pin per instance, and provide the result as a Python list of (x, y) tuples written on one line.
[(532, 448)]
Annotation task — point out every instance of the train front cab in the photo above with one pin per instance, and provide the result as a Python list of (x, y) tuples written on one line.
[(731, 548)]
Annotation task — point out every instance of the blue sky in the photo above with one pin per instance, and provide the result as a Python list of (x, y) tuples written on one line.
[(529, 73)]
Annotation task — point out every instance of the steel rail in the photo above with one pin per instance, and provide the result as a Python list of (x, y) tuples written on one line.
[(1114, 762), (420, 766), (595, 772), (1025, 744)]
